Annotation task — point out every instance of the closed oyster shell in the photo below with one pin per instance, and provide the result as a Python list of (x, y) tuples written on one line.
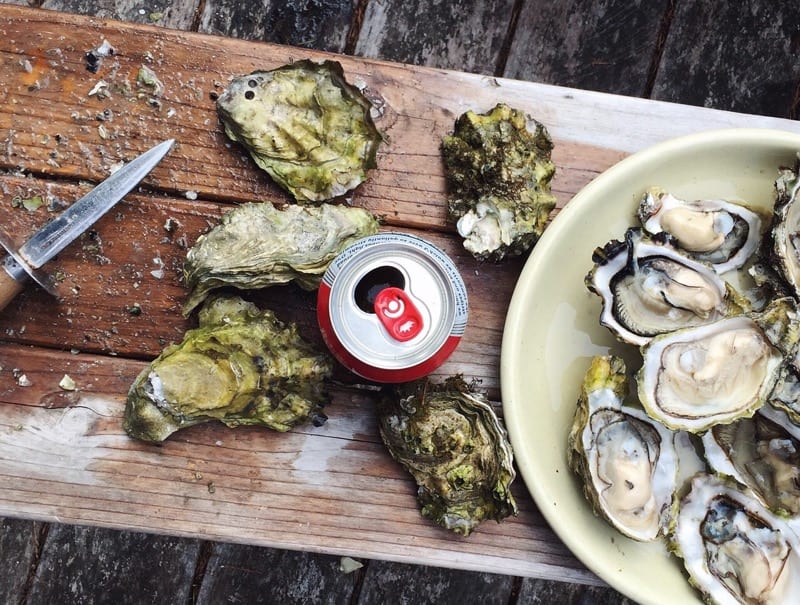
[(498, 170), (628, 463), (258, 245), (305, 125), (241, 366), (451, 441), (785, 235)]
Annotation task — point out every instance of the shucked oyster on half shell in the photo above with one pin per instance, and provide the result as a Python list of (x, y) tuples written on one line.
[(719, 232), (628, 463), (498, 171), (648, 287), (733, 548), (694, 378), (762, 453), (258, 245), (785, 234), (241, 366), (453, 444), (305, 125)]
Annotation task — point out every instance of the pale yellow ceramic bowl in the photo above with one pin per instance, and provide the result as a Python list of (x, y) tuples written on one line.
[(552, 332)]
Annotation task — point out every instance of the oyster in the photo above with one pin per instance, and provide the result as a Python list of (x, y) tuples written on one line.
[(305, 125), (628, 463), (648, 287), (786, 226), (257, 245), (762, 454), (498, 171), (694, 378), (455, 447), (240, 366), (718, 232), (733, 548)]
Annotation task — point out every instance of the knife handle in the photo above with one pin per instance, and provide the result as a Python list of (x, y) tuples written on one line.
[(9, 286)]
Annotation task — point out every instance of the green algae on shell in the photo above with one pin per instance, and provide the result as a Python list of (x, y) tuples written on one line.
[(305, 125), (257, 245), (498, 171), (241, 366), (453, 444)]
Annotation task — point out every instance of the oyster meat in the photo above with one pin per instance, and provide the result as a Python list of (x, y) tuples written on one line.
[(648, 287), (241, 366), (786, 227), (498, 171), (628, 463), (719, 232), (451, 441), (258, 245), (694, 378), (305, 125), (761, 453), (733, 548)]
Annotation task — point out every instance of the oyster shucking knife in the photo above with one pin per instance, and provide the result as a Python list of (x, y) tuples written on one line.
[(51, 239)]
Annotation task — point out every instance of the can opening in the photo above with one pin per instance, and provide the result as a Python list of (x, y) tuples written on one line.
[(369, 286)]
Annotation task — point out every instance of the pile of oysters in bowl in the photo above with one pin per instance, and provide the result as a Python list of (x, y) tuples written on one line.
[(708, 291)]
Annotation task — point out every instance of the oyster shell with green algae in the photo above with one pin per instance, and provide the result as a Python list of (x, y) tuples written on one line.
[(305, 125), (498, 171), (241, 366), (453, 444), (258, 245)]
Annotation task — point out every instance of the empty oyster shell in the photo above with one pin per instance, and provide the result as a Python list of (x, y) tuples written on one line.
[(498, 170), (628, 463), (451, 441), (694, 378), (718, 232), (257, 245), (240, 366), (305, 125), (733, 548), (648, 287), (762, 454)]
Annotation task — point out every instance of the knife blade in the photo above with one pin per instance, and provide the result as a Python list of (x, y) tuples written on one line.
[(56, 235)]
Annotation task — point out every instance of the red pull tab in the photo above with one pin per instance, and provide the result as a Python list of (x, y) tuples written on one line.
[(398, 314)]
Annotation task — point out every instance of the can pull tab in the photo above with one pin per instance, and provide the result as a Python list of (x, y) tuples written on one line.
[(398, 314)]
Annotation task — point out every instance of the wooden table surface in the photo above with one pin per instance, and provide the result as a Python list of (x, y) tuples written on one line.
[(198, 513)]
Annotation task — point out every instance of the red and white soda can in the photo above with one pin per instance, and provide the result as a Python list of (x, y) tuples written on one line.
[(392, 307)]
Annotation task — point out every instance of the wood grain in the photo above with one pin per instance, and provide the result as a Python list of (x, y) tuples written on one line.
[(705, 69), (606, 46), (18, 548), (331, 489)]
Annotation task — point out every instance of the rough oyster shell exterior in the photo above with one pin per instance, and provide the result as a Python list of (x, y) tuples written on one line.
[(453, 444), (498, 170), (258, 245), (241, 366), (305, 125)]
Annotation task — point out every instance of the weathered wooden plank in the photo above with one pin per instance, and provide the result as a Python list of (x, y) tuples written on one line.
[(546, 592), (95, 565), (245, 574), (178, 15), (328, 489), (462, 35), (606, 46), (395, 584), (19, 543), (320, 24), (745, 60)]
